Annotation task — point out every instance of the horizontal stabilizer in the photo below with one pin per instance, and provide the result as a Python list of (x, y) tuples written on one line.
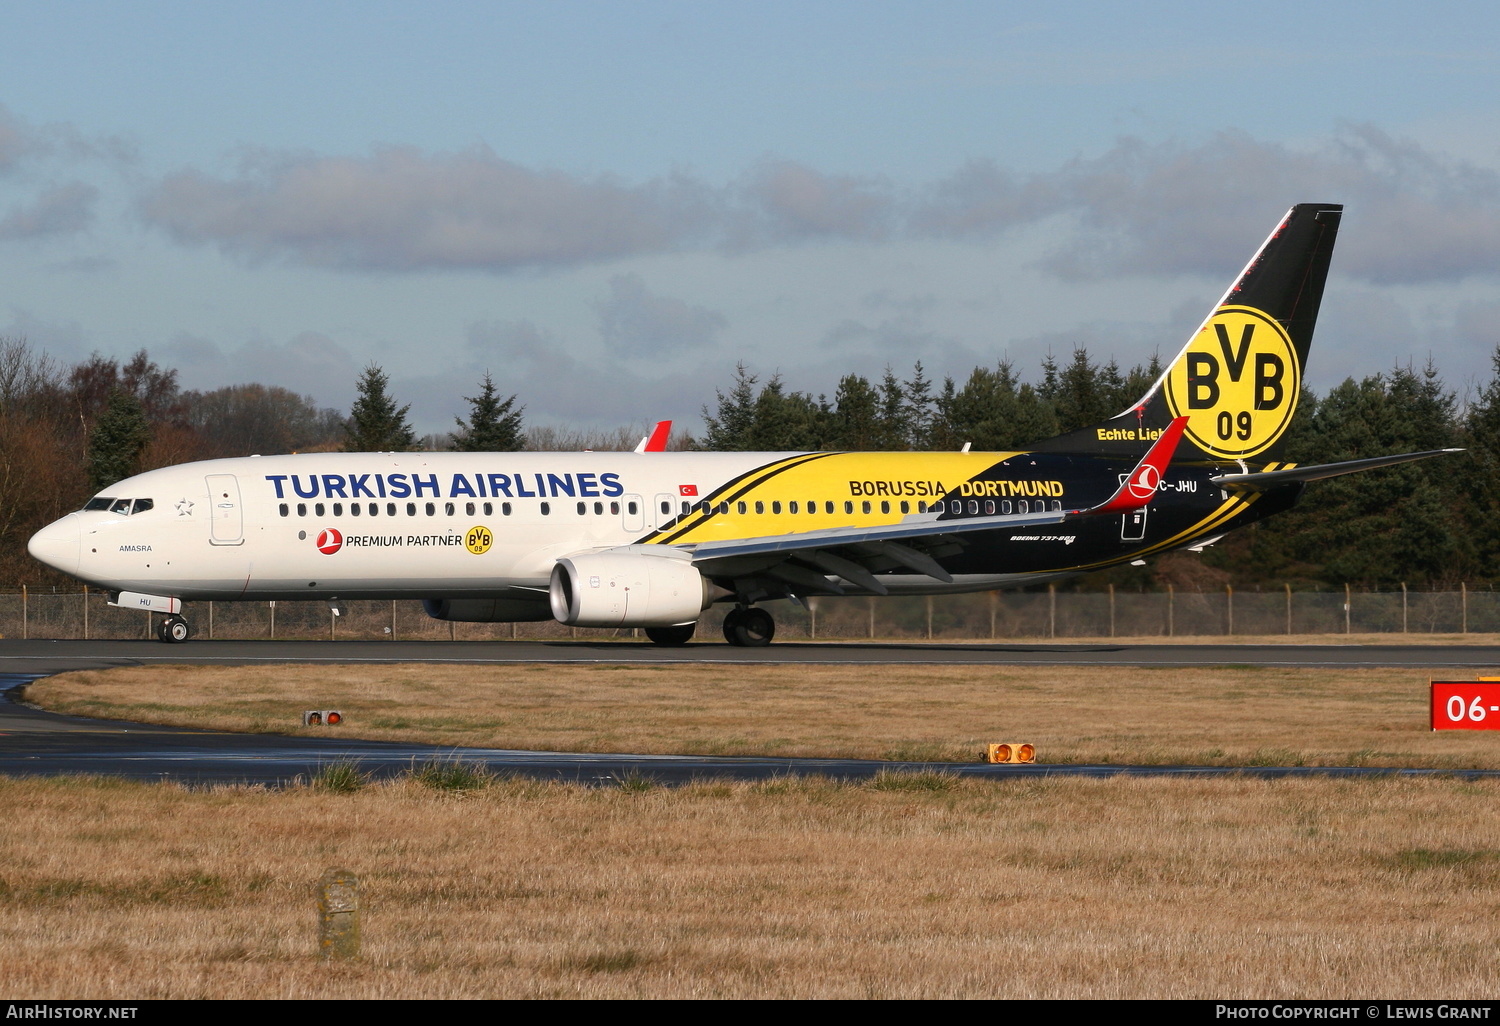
[(1274, 478)]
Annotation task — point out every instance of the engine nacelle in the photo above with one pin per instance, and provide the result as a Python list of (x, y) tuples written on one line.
[(634, 586), (486, 610)]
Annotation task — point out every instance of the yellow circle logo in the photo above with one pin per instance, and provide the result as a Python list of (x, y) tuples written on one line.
[(479, 540), (1237, 383)]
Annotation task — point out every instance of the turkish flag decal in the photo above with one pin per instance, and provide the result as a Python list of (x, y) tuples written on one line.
[(687, 490)]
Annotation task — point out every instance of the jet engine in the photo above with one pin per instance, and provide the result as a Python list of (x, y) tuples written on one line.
[(631, 586), (497, 610)]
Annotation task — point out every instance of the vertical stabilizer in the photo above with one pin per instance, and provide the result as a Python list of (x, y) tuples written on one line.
[(1238, 379)]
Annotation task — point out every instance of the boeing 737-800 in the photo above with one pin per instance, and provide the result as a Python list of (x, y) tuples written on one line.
[(651, 539)]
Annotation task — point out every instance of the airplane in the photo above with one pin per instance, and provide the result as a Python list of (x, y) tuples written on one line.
[(652, 539)]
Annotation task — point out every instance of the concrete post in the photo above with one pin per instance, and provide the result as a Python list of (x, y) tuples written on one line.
[(338, 914)]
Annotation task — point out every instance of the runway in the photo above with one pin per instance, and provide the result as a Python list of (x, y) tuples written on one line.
[(37, 743), (54, 656)]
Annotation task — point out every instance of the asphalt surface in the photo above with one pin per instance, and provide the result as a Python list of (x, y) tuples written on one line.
[(37, 743)]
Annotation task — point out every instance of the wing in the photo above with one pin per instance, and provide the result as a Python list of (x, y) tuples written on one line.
[(1320, 472)]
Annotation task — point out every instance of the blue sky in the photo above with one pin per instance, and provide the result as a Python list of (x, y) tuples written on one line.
[(608, 205)]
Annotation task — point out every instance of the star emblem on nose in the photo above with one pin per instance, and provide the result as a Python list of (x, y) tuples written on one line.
[(184, 507)]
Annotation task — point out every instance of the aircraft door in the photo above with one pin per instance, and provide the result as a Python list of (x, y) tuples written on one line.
[(663, 510), (633, 514), (1133, 524), (226, 519)]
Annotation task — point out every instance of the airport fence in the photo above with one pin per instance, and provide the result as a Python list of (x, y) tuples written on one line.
[(1003, 615)]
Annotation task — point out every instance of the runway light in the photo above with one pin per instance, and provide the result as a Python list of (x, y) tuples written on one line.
[(322, 718), (1010, 752)]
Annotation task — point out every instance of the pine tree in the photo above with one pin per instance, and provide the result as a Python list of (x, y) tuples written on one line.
[(730, 430), (375, 423), (117, 440), (494, 424)]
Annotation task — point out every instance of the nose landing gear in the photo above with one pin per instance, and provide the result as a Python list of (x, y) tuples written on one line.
[(749, 627), (174, 629)]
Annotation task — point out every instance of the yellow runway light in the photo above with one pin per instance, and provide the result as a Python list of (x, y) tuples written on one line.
[(1010, 752)]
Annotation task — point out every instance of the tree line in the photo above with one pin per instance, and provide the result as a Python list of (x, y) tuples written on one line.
[(68, 432)]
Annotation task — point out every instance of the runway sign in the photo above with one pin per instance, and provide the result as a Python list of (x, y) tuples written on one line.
[(1465, 705)]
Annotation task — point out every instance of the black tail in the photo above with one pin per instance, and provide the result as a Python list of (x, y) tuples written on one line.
[(1238, 378)]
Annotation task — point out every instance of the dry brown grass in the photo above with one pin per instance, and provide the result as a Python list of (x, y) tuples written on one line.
[(1207, 716), (924, 887)]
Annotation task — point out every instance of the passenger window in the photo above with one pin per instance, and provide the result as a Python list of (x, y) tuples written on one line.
[(317, 509), (598, 509), (285, 509), (505, 509), (739, 507), (431, 509), (141, 505), (390, 509), (630, 508), (374, 509), (546, 509), (885, 506), (760, 507), (614, 508), (1023, 506), (973, 507), (583, 508), (989, 507), (468, 509), (1005, 507), (723, 508), (956, 506), (338, 509), (302, 509), (489, 509), (1057, 505), (687, 507), (921, 506), (905, 506), (666, 507), (411, 509), (776, 506), (354, 509), (448, 509), (791, 507), (848, 506), (812, 507), (864, 507), (828, 506)]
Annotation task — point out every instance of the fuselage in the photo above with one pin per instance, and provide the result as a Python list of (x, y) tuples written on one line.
[(493, 525)]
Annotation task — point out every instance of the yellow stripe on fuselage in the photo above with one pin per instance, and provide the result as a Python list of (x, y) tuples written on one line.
[(882, 479)]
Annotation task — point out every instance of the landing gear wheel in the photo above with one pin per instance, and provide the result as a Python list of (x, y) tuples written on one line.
[(173, 630), (679, 635), (749, 628)]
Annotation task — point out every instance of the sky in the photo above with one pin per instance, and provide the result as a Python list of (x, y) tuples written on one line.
[(607, 206)]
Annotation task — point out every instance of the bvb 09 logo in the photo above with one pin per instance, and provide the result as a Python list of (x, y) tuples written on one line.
[(1237, 383), (479, 540)]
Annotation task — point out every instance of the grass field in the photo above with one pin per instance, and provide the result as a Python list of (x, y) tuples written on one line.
[(904, 886), (1209, 716)]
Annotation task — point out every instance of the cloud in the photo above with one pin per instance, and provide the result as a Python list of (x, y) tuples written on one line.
[(1138, 208), (63, 210), (400, 210), (636, 322), (309, 363), (786, 202), (1167, 208)]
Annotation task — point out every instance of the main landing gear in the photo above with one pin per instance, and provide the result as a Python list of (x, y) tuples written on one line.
[(174, 629), (749, 627)]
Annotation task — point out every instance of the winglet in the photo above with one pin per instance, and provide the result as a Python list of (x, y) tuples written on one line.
[(1142, 483), (657, 440)]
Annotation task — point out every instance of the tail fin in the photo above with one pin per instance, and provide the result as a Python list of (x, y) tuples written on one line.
[(1238, 379)]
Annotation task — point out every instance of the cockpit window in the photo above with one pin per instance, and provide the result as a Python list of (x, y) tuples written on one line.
[(125, 506)]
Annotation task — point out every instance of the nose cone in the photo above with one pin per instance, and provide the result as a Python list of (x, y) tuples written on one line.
[(57, 545)]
